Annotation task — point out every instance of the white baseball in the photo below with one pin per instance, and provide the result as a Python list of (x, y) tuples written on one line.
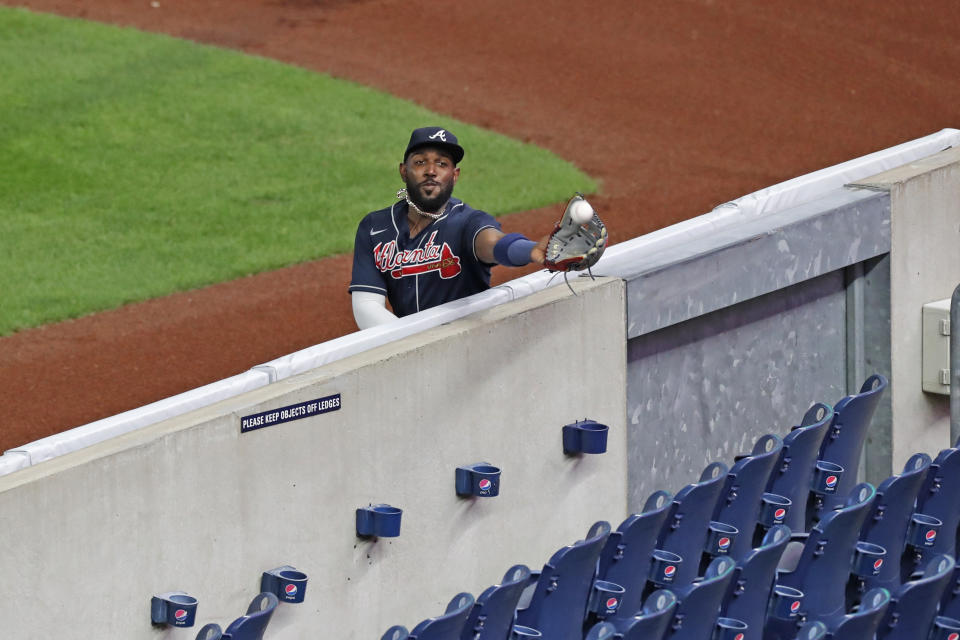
[(581, 212)]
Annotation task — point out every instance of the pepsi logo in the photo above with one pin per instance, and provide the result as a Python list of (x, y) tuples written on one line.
[(723, 544), (669, 570), (931, 535), (180, 615), (290, 590), (485, 484), (795, 606), (877, 564), (739, 636), (612, 603), (779, 514), (953, 636), (831, 482)]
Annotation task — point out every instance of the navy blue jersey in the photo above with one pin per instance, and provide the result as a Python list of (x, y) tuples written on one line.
[(435, 266)]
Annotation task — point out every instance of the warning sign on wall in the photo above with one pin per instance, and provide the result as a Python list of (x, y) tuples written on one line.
[(291, 412)]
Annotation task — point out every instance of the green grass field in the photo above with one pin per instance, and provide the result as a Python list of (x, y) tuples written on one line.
[(136, 165)]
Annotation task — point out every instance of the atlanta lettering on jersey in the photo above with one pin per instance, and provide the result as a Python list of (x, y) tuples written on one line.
[(411, 262)]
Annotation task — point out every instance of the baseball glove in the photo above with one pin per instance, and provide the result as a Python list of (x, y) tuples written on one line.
[(576, 246)]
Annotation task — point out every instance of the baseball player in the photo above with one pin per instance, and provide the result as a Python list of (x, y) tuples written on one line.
[(429, 248)]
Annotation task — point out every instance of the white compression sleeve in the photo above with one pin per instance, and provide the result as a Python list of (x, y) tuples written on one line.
[(370, 309)]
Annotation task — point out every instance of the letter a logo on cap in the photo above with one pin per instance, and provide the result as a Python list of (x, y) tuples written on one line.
[(442, 135)]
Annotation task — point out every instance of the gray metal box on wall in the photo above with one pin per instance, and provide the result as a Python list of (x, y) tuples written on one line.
[(936, 347)]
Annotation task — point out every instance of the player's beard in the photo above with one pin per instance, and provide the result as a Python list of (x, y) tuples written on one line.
[(431, 204)]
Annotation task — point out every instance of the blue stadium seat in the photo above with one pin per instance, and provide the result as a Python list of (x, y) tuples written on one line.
[(602, 631), (685, 530), (625, 558), (940, 497), (862, 622), (210, 631), (492, 615), (813, 630), (843, 444), (448, 626), (558, 605), (250, 626), (889, 518), (793, 473), (753, 578), (396, 632), (950, 603), (820, 569), (699, 605), (652, 621), (914, 604), (740, 500)]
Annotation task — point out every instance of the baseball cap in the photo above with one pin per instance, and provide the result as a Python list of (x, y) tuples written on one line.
[(434, 137)]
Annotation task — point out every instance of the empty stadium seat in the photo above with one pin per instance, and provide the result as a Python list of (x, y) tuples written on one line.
[(820, 568), (649, 623), (843, 443), (557, 607), (626, 556), (889, 518), (699, 602), (685, 529), (950, 602), (938, 497), (862, 622), (793, 472), (740, 500), (914, 604), (210, 631), (753, 578), (448, 626), (492, 615), (250, 626), (813, 630), (602, 631)]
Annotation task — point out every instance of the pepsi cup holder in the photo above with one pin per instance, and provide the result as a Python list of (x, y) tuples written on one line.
[(663, 567), (785, 602), (730, 629), (826, 477), (720, 538), (520, 632), (868, 558), (605, 598), (175, 609), (288, 584), (773, 509), (945, 628), (923, 530), (585, 436), (481, 479), (378, 521)]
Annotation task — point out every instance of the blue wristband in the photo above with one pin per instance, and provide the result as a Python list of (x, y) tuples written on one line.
[(513, 250)]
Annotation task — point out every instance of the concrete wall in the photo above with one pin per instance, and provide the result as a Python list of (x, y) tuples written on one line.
[(924, 266), (192, 504)]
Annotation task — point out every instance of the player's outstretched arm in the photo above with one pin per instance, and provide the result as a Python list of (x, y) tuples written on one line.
[(512, 249), (370, 309)]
